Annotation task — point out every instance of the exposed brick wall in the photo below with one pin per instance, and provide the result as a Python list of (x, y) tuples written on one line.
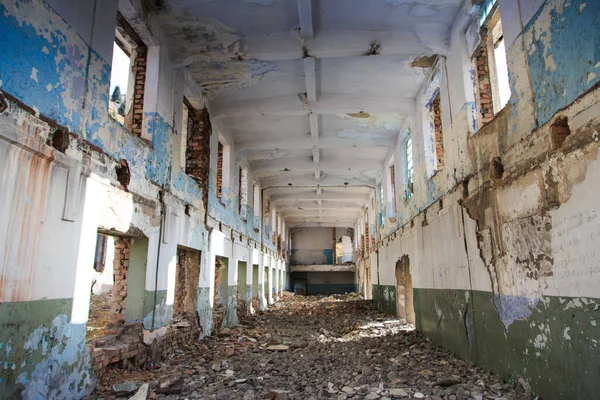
[(436, 111), (120, 268), (220, 171), (484, 84), (186, 284), (334, 244), (198, 149), (362, 246), (367, 236), (279, 246), (128, 349), (139, 76)]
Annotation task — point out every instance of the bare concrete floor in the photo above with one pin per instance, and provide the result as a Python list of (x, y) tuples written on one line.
[(315, 348)]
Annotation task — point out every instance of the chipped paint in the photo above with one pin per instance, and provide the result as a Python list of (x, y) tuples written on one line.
[(562, 65)]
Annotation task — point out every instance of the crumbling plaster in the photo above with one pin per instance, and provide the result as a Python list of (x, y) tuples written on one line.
[(527, 229), (64, 81)]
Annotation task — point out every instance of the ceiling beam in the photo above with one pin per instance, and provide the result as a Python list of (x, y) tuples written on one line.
[(355, 197), (310, 75), (314, 126), (307, 205), (337, 44), (300, 143), (323, 212), (313, 224), (285, 165), (308, 180), (306, 21), (326, 104)]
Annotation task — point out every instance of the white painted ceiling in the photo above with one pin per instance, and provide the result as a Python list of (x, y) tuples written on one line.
[(281, 77)]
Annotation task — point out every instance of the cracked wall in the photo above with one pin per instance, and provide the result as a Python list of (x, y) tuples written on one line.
[(57, 199), (503, 240)]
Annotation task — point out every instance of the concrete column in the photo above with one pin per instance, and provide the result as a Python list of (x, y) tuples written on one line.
[(270, 277), (231, 317), (206, 283), (281, 277), (262, 289), (276, 278), (249, 281)]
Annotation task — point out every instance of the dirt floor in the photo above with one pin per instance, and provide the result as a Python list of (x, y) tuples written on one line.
[(337, 347), (99, 320)]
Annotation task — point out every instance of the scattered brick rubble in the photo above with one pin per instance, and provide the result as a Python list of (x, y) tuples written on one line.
[(336, 347)]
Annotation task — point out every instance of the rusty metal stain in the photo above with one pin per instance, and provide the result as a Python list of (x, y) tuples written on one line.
[(27, 213)]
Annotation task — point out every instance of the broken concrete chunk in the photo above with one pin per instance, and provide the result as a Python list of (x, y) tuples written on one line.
[(347, 389), (397, 393), (278, 347), (142, 393), (124, 389), (171, 386), (276, 394)]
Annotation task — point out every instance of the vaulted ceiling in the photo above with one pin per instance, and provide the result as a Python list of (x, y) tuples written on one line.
[(314, 92)]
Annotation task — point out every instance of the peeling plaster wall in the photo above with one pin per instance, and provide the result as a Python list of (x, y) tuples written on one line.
[(55, 70), (503, 264), (312, 246)]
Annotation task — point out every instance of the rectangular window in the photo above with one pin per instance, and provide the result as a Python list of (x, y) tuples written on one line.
[(119, 82), (501, 85), (391, 191), (436, 116), (128, 77), (185, 126), (381, 200), (256, 206), (220, 172), (409, 167), (243, 193), (493, 87)]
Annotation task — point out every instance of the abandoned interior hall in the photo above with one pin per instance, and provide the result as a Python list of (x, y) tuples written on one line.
[(300, 199)]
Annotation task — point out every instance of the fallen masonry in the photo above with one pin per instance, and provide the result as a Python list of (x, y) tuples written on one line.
[(337, 347)]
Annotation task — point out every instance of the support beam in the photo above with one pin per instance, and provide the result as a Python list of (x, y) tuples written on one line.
[(334, 44), (316, 153), (314, 126), (300, 143), (331, 165), (310, 75), (354, 197), (326, 104), (306, 22)]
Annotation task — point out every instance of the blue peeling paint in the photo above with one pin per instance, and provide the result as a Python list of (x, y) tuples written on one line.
[(328, 256), (575, 51), (65, 369), (32, 68), (513, 308), (158, 166)]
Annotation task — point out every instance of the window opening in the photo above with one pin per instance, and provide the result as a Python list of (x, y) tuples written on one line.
[(409, 167), (220, 172)]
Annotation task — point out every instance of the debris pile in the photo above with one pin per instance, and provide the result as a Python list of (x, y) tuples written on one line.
[(337, 347)]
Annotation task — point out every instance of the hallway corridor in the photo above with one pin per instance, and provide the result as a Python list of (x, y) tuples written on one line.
[(335, 347), (171, 169)]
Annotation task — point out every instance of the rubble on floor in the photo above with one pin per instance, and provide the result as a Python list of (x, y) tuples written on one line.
[(336, 347)]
